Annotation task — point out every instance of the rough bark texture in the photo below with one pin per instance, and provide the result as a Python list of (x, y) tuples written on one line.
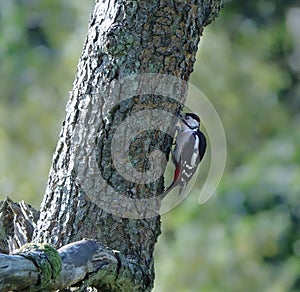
[(17, 224), (124, 37)]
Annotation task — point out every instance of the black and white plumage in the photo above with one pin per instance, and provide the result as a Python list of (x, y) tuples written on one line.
[(188, 152)]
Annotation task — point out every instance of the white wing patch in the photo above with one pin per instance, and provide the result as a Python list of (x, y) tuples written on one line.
[(195, 152)]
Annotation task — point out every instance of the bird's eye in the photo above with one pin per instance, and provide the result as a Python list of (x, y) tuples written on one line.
[(188, 117)]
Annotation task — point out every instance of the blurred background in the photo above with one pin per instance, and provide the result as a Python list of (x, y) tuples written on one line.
[(247, 237)]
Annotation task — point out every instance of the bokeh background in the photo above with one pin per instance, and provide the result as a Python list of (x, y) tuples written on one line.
[(247, 237)]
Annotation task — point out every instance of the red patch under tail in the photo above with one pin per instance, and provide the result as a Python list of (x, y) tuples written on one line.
[(176, 173)]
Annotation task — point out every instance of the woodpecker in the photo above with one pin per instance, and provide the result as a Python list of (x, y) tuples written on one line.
[(190, 146)]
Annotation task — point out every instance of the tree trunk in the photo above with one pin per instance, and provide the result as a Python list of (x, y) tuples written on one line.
[(88, 193)]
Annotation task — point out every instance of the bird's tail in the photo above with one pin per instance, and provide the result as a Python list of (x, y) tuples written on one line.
[(175, 183), (171, 187)]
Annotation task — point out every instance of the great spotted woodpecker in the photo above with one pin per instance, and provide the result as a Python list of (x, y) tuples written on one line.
[(188, 152)]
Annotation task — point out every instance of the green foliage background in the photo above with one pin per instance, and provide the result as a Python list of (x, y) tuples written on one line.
[(247, 237)]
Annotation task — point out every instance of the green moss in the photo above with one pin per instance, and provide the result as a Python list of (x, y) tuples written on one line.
[(47, 260)]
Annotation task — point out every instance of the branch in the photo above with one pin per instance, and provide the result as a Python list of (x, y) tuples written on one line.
[(35, 267), (83, 263), (17, 223)]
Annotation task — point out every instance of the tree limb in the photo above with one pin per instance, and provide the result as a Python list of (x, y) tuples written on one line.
[(84, 263), (38, 266)]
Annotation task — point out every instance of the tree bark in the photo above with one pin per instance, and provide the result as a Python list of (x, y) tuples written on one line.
[(86, 196)]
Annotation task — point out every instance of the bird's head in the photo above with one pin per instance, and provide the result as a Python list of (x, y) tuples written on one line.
[(191, 120)]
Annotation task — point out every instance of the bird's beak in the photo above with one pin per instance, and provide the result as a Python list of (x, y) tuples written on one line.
[(179, 121)]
